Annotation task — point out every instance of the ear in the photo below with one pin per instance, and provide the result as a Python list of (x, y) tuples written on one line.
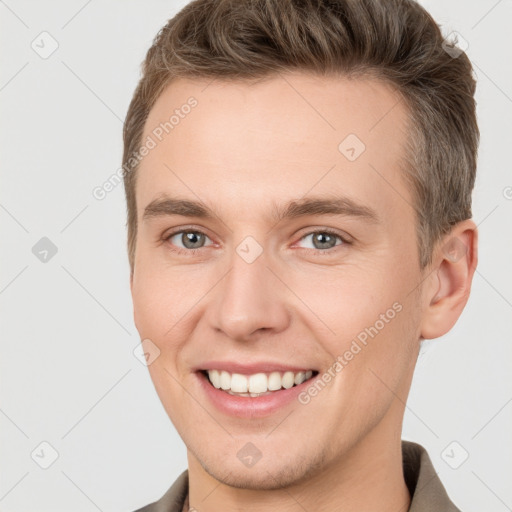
[(133, 302), (451, 274)]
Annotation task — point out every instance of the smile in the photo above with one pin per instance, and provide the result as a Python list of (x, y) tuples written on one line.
[(257, 384)]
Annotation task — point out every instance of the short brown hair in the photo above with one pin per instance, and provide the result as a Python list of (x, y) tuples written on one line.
[(394, 40)]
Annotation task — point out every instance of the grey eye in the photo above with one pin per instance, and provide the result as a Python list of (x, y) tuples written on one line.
[(323, 240), (189, 239)]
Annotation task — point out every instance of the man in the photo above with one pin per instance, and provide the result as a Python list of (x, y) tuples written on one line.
[(298, 179)]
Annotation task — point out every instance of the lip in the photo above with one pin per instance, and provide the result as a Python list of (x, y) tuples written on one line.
[(250, 407), (250, 368)]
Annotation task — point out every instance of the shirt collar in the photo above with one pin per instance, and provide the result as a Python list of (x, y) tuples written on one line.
[(427, 491)]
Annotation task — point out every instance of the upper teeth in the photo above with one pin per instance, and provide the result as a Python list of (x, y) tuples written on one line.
[(258, 382)]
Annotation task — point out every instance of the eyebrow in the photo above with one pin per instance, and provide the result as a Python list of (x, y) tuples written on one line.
[(167, 206)]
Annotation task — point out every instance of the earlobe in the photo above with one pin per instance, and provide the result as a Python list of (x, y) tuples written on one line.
[(455, 261)]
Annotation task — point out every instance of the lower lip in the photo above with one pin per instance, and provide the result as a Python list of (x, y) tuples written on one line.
[(250, 407)]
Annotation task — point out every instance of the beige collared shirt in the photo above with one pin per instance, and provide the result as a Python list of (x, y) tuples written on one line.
[(427, 491)]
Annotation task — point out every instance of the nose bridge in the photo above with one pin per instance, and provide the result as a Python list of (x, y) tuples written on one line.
[(249, 297)]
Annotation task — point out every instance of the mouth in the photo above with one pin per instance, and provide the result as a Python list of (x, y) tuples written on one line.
[(257, 384)]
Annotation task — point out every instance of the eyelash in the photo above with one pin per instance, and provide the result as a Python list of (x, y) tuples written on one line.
[(328, 231)]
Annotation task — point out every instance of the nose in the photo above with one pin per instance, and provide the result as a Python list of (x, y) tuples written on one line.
[(249, 300)]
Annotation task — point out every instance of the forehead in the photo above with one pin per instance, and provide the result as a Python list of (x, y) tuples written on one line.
[(234, 142)]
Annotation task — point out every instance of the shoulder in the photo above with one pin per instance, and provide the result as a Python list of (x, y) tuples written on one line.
[(173, 499)]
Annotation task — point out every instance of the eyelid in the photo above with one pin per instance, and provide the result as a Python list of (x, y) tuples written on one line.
[(324, 229), (183, 229)]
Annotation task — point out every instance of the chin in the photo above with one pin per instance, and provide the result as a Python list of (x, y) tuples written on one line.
[(277, 474)]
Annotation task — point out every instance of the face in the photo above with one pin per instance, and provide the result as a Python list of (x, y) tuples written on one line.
[(276, 242)]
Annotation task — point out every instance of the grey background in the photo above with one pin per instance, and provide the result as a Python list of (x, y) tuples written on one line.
[(68, 373)]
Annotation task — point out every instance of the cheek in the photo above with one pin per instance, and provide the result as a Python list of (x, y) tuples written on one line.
[(167, 306), (368, 319), (386, 353), (162, 297), (376, 362), (151, 308), (342, 302)]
